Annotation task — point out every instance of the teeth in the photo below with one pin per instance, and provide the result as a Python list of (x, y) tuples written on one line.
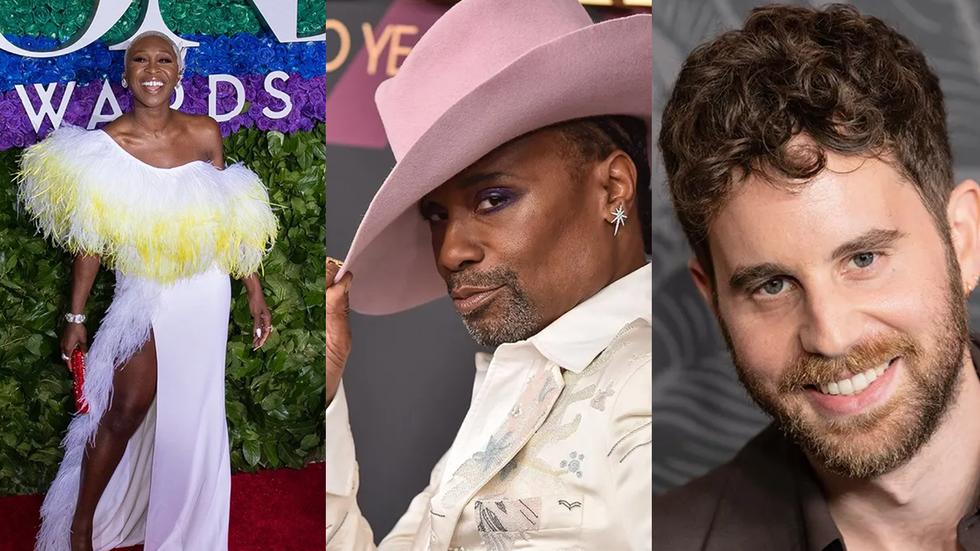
[(854, 384), (153, 83)]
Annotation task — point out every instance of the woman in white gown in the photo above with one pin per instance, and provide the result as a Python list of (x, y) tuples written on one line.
[(149, 197)]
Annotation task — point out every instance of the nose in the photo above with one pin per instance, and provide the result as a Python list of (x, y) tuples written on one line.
[(455, 245), (832, 323)]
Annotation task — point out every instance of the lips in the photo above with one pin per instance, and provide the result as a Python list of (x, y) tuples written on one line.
[(152, 85), (467, 299), (856, 397), (856, 383)]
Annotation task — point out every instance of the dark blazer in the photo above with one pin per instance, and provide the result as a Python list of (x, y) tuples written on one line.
[(766, 498)]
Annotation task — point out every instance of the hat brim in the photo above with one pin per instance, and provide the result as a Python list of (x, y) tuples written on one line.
[(601, 69)]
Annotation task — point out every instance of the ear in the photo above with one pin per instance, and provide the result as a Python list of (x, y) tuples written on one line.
[(618, 175), (703, 282), (963, 214)]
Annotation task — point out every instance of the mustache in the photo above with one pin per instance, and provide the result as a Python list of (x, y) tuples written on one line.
[(812, 369), (494, 277)]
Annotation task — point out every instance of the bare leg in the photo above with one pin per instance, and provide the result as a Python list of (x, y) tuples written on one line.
[(134, 387)]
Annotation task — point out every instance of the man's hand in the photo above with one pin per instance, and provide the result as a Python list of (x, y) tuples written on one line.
[(338, 327)]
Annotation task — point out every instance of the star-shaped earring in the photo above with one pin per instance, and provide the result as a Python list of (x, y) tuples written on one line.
[(619, 218)]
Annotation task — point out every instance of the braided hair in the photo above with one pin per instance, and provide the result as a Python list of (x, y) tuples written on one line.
[(594, 138)]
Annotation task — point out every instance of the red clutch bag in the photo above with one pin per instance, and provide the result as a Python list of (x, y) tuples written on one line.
[(78, 373)]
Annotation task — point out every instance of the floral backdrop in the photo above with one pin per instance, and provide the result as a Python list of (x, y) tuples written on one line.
[(275, 397)]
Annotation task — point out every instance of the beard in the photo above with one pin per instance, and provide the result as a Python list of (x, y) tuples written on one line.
[(510, 316), (874, 442)]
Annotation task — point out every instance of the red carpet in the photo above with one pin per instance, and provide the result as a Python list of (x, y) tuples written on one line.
[(280, 510)]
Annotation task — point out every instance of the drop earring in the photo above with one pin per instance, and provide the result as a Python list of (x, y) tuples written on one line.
[(619, 219)]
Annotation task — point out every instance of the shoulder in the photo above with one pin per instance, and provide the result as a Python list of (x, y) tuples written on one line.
[(202, 129), (682, 517), (626, 364), (119, 126), (205, 135), (752, 496)]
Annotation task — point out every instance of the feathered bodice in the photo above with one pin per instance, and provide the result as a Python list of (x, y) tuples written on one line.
[(90, 196)]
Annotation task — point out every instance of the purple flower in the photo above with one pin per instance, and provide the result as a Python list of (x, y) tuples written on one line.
[(227, 103), (320, 110), (10, 107), (307, 110), (253, 81), (294, 83), (78, 111), (17, 139)]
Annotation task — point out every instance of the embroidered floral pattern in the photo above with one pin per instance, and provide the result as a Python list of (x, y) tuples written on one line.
[(502, 522), (573, 464), (599, 400), (535, 401)]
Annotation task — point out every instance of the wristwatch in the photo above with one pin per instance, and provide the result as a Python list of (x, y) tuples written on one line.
[(75, 318)]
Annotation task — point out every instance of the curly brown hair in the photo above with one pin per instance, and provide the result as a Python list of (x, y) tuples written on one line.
[(843, 82)]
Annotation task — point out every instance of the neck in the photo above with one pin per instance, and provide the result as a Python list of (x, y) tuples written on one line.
[(152, 120), (921, 502), (628, 257)]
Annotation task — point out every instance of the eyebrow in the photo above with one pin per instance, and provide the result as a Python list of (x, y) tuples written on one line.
[(147, 51), (481, 177), (872, 240), (471, 181), (743, 277)]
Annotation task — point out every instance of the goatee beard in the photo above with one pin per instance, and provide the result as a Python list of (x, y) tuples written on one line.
[(508, 317)]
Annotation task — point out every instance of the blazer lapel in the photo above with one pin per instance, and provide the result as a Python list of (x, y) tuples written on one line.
[(525, 418)]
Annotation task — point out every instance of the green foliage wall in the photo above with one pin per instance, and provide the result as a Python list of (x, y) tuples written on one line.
[(275, 395)]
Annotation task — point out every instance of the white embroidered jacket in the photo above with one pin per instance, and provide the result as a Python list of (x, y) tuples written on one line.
[(554, 452)]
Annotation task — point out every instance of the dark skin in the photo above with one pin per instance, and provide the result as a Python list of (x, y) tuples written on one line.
[(164, 138), (520, 209)]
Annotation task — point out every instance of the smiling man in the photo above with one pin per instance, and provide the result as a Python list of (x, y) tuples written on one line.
[(522, 191), (809, 164)]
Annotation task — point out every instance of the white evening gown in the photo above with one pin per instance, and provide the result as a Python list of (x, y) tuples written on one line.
[(173, 236)]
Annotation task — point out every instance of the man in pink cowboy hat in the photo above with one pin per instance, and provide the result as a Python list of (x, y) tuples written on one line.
[(521, 188)]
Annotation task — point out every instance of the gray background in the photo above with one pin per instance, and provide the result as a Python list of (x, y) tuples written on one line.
[(409, 377)]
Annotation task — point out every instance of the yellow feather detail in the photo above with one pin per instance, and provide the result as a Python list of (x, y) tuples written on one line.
[(142, 227)]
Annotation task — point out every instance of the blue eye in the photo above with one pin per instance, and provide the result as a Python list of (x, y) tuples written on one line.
[(863, 260), (773, 287)]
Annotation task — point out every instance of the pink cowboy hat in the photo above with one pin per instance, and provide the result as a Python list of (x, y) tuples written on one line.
[(486, 72)]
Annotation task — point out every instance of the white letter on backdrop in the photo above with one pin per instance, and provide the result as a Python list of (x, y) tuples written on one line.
[(283, 76), (213, 81), (46, 110), (105, 95)]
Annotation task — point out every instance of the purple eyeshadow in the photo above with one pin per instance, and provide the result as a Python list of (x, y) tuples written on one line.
[(503, 196)]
